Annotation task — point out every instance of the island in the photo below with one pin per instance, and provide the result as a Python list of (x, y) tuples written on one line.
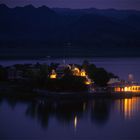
[(64, 80)]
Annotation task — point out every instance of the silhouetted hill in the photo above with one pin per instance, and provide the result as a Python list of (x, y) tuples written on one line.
[(104, 12), (84, 29)]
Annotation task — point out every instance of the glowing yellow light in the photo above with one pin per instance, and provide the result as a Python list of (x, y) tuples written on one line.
[(75, 122), (83, 73), (53, 76), (125, 89), (128, 107), (117, 89), (88, 82), (76, 71), (134, 89)]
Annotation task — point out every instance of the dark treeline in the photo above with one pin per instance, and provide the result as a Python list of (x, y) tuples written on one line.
[(37, 76)]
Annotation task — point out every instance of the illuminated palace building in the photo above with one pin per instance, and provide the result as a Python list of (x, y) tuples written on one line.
[(127, 88), (124, 86), (61, 70)]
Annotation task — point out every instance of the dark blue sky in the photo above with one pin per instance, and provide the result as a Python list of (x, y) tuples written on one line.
[(101, 4)]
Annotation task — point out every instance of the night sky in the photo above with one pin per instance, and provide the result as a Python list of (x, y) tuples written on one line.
[(101, 4)]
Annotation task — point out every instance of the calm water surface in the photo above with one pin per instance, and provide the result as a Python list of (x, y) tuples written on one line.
[(47, 119)]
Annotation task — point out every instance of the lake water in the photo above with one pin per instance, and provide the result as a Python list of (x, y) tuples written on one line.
[(93, 119), (119, 66), (59, 119)]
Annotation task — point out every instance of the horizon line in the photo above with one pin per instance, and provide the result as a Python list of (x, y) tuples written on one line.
[(115, 9)]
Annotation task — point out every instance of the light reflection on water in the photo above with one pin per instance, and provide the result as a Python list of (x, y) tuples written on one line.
[(128, 107), (74, 117), (75, 122)]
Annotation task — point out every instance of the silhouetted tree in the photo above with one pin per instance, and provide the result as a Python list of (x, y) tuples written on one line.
[(3, 74)]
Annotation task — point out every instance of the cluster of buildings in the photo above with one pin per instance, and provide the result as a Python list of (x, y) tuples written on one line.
[(19, 72), (60, 72), (117, 85)]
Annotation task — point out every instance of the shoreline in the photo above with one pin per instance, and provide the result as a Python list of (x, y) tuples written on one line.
[(83, 94), (15, 91)]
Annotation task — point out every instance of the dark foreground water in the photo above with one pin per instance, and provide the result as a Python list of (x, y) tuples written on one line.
[(92, 119)]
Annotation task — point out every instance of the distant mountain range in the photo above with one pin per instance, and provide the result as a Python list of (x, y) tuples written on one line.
[(59, 27)]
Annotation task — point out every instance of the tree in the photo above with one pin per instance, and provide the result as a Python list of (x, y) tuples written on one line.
[(3, 74)]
